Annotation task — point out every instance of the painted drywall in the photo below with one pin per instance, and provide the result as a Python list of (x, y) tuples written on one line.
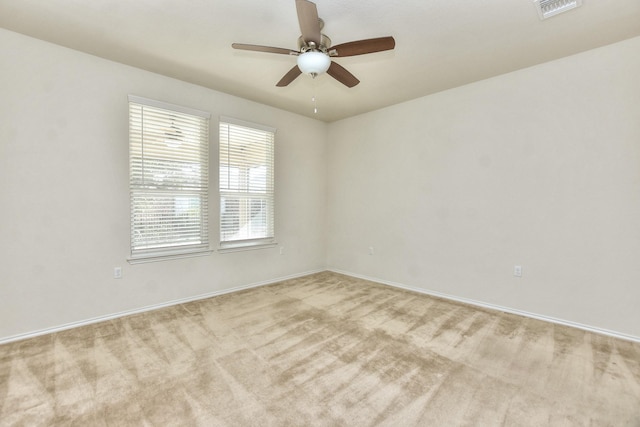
[(538, 168), (64, 197)]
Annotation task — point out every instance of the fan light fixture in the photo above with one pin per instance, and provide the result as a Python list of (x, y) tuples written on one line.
[(315, 49), (313, 62)]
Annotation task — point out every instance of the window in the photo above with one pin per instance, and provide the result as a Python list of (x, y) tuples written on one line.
[(169, 176), (246, 184)]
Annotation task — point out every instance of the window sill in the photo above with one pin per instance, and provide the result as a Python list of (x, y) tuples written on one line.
[(245, 247), (142, 259)]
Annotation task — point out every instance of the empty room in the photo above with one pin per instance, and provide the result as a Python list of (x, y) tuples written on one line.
[(320, 213)]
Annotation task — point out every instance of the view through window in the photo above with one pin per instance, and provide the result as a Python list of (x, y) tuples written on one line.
[(168, 154), (246, 183)]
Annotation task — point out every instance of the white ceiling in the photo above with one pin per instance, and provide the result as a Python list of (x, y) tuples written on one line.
[(440, 44)]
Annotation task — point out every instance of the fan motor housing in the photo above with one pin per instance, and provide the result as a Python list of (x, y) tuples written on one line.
[(325, 44)]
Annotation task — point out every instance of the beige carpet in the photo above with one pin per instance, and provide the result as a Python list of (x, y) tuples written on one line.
[(325, 350)]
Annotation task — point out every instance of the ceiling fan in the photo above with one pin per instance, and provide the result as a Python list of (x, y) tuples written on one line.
[(315, 51)]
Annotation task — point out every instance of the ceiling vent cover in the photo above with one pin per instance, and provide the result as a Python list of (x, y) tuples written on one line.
[(549, 8)]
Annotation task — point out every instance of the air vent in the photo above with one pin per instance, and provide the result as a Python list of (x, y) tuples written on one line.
[(549, 8)]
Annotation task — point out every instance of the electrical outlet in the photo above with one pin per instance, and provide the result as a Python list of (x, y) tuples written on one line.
[(371, 250), (281, 250), (517, 270), (117, 272)]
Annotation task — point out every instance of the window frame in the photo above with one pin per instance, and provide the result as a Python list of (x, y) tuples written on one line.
[(227, 245), (138, 188)]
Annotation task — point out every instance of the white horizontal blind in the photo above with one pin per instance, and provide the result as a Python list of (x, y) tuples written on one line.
[(169, 176), (246, 183)]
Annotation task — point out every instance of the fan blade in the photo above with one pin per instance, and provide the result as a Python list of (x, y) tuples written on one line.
[(361, 47), (289, 77), (268, 49), (340, 73), (309, 22)]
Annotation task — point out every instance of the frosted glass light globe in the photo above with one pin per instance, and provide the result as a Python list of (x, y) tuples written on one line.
[(313, 62)]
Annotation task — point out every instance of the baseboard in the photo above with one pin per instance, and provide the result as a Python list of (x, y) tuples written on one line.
[(98, 319), (476, 303), (588, 328)]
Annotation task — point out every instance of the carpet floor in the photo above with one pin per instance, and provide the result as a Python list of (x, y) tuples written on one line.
[(321, 350)]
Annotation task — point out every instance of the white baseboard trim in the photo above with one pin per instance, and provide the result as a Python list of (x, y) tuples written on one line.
[(588, 328), (98, 319)]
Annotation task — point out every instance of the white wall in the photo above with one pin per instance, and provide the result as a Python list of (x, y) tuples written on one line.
[(64, 207), (539, 167)]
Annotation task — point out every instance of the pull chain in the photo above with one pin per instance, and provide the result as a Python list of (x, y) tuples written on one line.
[(313, 97)]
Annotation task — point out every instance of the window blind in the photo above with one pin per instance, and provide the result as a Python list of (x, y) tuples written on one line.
[(246, 183), (168, 170)]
